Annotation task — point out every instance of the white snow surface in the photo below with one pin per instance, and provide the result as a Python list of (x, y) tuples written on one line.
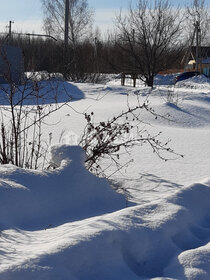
[(67, 224)]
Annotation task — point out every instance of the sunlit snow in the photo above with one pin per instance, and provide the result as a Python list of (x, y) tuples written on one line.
[(67, 224)]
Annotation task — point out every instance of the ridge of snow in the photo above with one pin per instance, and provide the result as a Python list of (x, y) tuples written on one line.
[(163, 239), (54, 197), (67, 224)]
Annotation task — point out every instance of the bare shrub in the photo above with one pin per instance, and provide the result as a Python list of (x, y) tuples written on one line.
[(22, 114), (120, 134)]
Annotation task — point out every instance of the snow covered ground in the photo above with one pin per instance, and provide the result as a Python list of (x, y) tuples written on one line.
[(68, 224)]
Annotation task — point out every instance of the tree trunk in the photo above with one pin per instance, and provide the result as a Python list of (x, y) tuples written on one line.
[(150, 81)]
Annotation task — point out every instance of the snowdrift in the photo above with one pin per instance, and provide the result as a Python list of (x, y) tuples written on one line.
[(166, 239), (41, 92), (66, 224), (196, 82), (36, 200)]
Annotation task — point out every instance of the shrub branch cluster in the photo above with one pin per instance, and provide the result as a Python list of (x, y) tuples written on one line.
[(118, 135)]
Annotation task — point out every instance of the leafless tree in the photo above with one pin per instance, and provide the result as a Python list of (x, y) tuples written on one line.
[(198, 11), (80, 22), (80, 18), (147, 33)]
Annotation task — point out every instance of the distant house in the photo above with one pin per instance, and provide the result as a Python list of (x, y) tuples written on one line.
[(204, 63), (11, 65), (206, 66)]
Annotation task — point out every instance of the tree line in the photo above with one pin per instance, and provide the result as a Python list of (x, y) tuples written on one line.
[(150, 38)]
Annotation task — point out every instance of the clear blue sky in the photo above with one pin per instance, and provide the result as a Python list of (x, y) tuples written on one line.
[(27, 14), (113, 4), (20, 9)]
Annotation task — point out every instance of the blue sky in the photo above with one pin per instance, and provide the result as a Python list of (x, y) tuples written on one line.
[(27, 14), (116, 4), (20, 9), (109, 4)]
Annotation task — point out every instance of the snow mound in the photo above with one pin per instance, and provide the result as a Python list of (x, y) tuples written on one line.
[(42, 92), (64, 154), (168, 239), (167, 79), (67, 224), (35, 200), (196, 82)]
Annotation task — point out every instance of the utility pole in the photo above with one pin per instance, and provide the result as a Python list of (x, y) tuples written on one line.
[(197, 28), (10, 30), (66, 35), (66, 38)]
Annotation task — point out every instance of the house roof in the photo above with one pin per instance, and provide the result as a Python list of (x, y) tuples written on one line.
[(191, 62)]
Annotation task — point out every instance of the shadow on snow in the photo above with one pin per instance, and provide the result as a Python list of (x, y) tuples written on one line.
[(40, 93)]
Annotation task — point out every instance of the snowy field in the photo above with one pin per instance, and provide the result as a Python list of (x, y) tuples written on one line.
[(68, 224)]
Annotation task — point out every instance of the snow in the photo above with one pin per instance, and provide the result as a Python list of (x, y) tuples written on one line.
[(41, 92), (197, 82), (52, 198), (66, 223)]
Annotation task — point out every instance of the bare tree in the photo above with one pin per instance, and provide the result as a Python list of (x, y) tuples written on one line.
[(198, 12), (147, 33), (80, 22), (80, 18)]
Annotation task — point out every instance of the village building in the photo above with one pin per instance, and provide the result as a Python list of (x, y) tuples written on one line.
[(203, 63)]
